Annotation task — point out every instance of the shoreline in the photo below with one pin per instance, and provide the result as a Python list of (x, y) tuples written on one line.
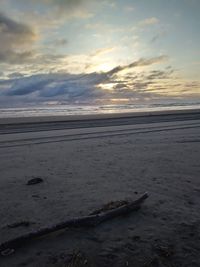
[(70, 118)]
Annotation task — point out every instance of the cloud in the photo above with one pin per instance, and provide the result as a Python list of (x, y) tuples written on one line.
[(158, 74), (27, 87), (129, 8), (61, 42), (155, 38), (102, 51), (49, 85), (139, 63), (18, 45), (16, 39), (149, 21), (92, 88), (83, 88), (15, 75), (158, 36), (96, 87), (58, 42), (62, 4), (67, 8), (12, 57), (13, 29)]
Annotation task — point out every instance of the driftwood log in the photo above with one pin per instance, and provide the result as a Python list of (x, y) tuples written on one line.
[(86, 221)]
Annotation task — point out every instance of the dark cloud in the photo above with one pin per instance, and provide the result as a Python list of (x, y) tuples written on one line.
[(61, 8), (157, 74), (61, 3), (158, 36), (29, 87), (12, 57), (155, 38), (139, 63), (66, 3), (193, 84), (61, 42), (12, 28), (16, 39), (71, 86), (82, 88), (1, 74), (15, 75)]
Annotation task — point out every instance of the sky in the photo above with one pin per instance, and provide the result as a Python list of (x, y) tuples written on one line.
[(99, 52)]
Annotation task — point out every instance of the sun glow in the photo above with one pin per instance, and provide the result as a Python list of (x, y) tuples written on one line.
[(120, 100), (106, 86), (104, 67)]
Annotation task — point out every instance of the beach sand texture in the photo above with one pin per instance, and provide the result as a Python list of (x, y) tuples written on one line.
[(84, 168)]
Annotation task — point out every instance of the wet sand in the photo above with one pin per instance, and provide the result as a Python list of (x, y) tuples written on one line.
[(85, 165)]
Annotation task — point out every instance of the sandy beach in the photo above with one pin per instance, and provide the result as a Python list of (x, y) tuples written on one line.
[(86, 162)]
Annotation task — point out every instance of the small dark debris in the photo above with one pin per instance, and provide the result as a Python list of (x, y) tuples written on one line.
[(77, 260), (7, 252), (136, 238), (36, 196), (164, 250), (190, 202), (18, 224), (153, 262), (35, 180)]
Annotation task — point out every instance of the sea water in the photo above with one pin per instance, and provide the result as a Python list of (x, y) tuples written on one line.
[(60, 110)]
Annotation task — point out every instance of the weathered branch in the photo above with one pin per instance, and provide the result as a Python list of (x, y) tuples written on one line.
[(86, 221)]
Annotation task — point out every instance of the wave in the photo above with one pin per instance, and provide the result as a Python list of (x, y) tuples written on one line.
[(61, 110)]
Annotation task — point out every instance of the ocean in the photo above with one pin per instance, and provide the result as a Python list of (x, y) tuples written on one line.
[(61, 110)]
